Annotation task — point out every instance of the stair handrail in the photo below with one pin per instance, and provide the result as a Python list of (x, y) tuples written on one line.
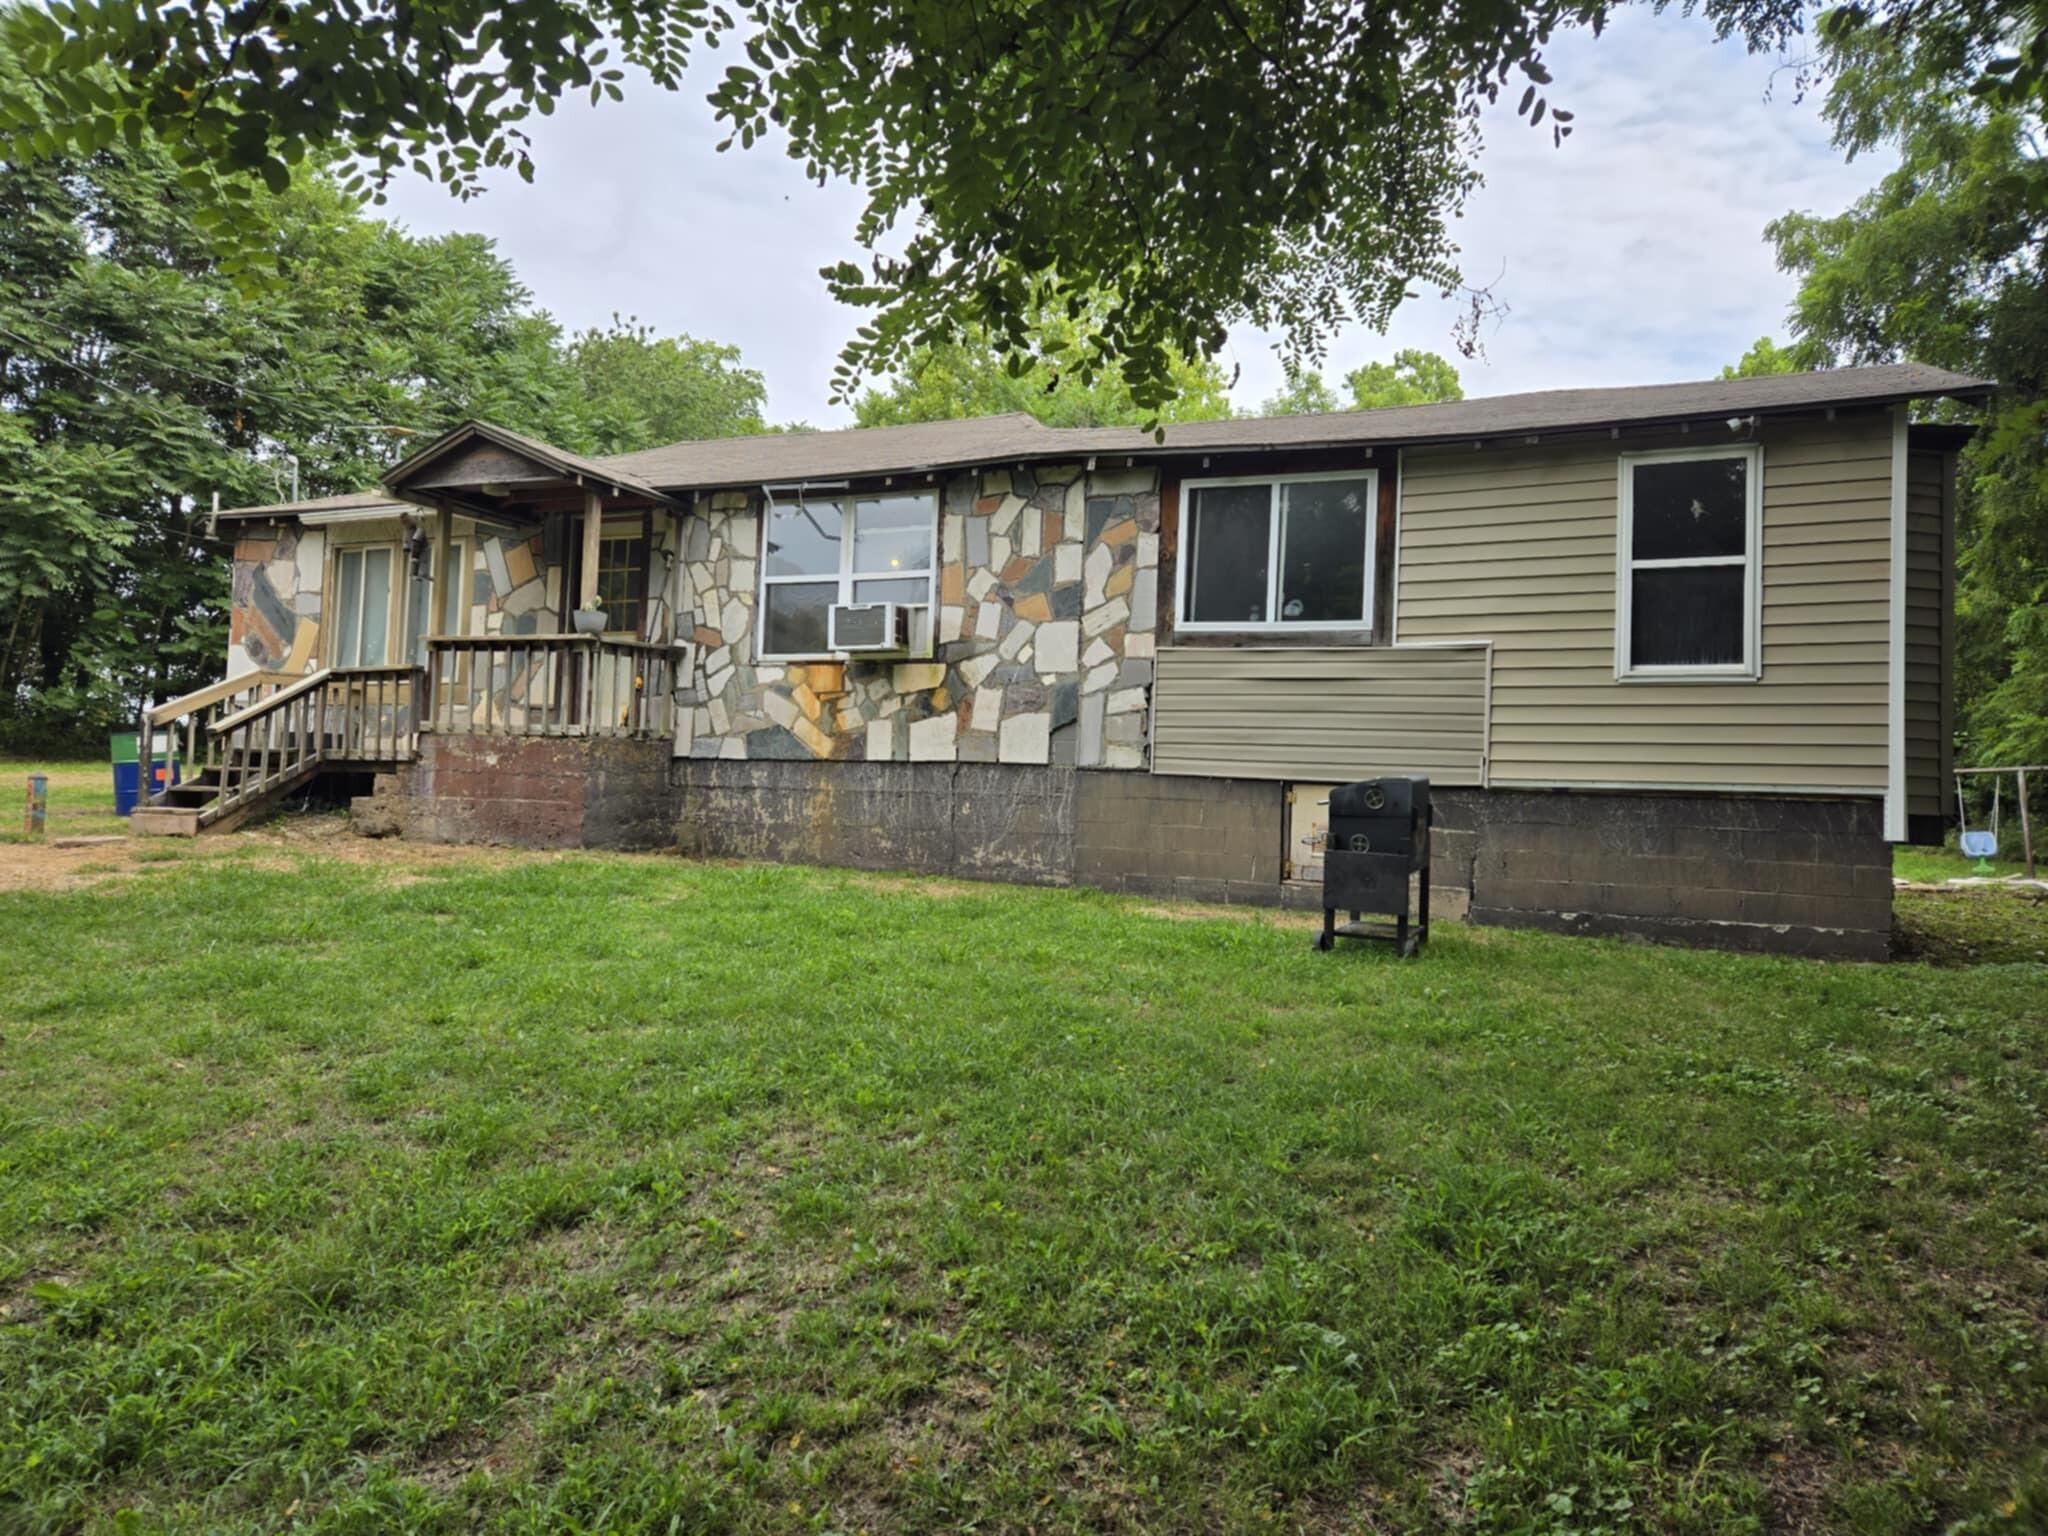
[(213, 693), (263, 706), (270, 744)]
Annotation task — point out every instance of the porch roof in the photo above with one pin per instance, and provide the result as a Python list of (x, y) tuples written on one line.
[(478, 454), (357, 503)]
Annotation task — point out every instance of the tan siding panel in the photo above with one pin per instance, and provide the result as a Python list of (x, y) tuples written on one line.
[(1320, 713), (1519, 547), (1926, 589)]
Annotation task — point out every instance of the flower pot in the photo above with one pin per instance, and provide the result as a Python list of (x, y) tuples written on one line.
[(588, 621)]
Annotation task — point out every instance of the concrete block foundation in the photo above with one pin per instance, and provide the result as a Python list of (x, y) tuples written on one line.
[(1781, 875)]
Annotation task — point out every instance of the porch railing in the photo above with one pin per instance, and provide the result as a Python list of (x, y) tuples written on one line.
[(189, 719), (551, 685), (250, 736)]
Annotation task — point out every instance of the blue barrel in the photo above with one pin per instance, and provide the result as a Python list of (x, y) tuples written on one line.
[(124, 748), (127, 772)]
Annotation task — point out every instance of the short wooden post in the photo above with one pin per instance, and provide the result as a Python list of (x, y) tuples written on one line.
[(34, 814), (2026, 827)]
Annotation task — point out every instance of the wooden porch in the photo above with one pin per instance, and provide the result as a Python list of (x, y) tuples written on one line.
[(248, 742)]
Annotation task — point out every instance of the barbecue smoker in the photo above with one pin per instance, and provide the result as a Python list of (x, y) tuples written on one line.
[(1379, 837)]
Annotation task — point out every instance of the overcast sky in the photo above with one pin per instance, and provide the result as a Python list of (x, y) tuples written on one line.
[(1633, 254)]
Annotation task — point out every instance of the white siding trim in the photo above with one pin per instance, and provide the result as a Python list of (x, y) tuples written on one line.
[(1720, 788), (1895, 672), (1394, 588)]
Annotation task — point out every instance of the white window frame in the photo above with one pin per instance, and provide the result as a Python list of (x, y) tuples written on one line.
[(846, 576), (1190, 548), (1751, 667)]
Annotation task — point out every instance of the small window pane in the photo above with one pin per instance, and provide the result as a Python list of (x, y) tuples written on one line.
[(621, 567), (348, 604), (803, 538), (916, 590), (1230, 552), (376, 607), (893, 533), (796, 618), (1322, 551), (1691, 509), (1687, 616), (453, 608)]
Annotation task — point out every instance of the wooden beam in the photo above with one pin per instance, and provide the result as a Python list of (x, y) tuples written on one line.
[(444, 536), (593, 544)]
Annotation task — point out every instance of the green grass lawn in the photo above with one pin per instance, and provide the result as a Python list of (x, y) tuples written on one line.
[(79, 801), (1938, 864), (592, 1193)]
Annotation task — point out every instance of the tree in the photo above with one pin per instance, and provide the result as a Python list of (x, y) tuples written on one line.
[(1764, 357), (1412, 378), (136, 378), (1289, 164), (1305, 393), (639, 388), (968, 376), (1943, 261)]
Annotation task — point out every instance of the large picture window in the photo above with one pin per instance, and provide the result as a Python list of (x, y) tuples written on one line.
[(1686, 606), (1286, 552), (362, 607), (826, 549)]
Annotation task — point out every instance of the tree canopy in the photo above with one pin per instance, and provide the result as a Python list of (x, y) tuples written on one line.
[(1185, 167), (1764, 357), (969, 376), (136, 378), (1943, 262), (1414, 377)]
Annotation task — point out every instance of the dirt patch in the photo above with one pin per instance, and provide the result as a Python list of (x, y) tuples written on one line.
[(916, 885), (1196, 912), (274, 846)]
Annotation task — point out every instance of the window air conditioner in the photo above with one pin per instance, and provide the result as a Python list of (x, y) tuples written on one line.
[(867, 629)]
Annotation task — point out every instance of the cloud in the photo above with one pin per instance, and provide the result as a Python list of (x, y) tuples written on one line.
[(1634, 253)]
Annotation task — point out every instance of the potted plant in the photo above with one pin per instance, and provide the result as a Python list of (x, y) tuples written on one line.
[(588, 621)]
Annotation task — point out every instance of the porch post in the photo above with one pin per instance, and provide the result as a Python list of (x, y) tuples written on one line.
[(444, 533), (593, 539)]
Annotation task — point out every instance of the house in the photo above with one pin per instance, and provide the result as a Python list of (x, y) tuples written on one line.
[(1676, 659)]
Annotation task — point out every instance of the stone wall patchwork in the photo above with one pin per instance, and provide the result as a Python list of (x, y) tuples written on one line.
[(274, 621), (1043, 637)]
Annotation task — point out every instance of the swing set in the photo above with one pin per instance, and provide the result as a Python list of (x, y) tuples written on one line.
[(1981, 844)]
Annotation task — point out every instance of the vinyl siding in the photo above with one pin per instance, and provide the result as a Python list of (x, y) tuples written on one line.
[(1518, 545), (1321, 714), (1927, 596)]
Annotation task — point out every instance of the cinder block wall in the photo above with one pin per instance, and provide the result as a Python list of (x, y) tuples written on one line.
[(1789, 876), (540, 792), (997, 823), (1194, 839)]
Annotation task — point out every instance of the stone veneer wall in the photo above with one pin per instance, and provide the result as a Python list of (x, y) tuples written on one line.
[(274, 621), (515, 582), (1048, 588)]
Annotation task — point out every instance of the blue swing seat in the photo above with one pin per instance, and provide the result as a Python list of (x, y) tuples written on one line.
[(1979, 845)]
